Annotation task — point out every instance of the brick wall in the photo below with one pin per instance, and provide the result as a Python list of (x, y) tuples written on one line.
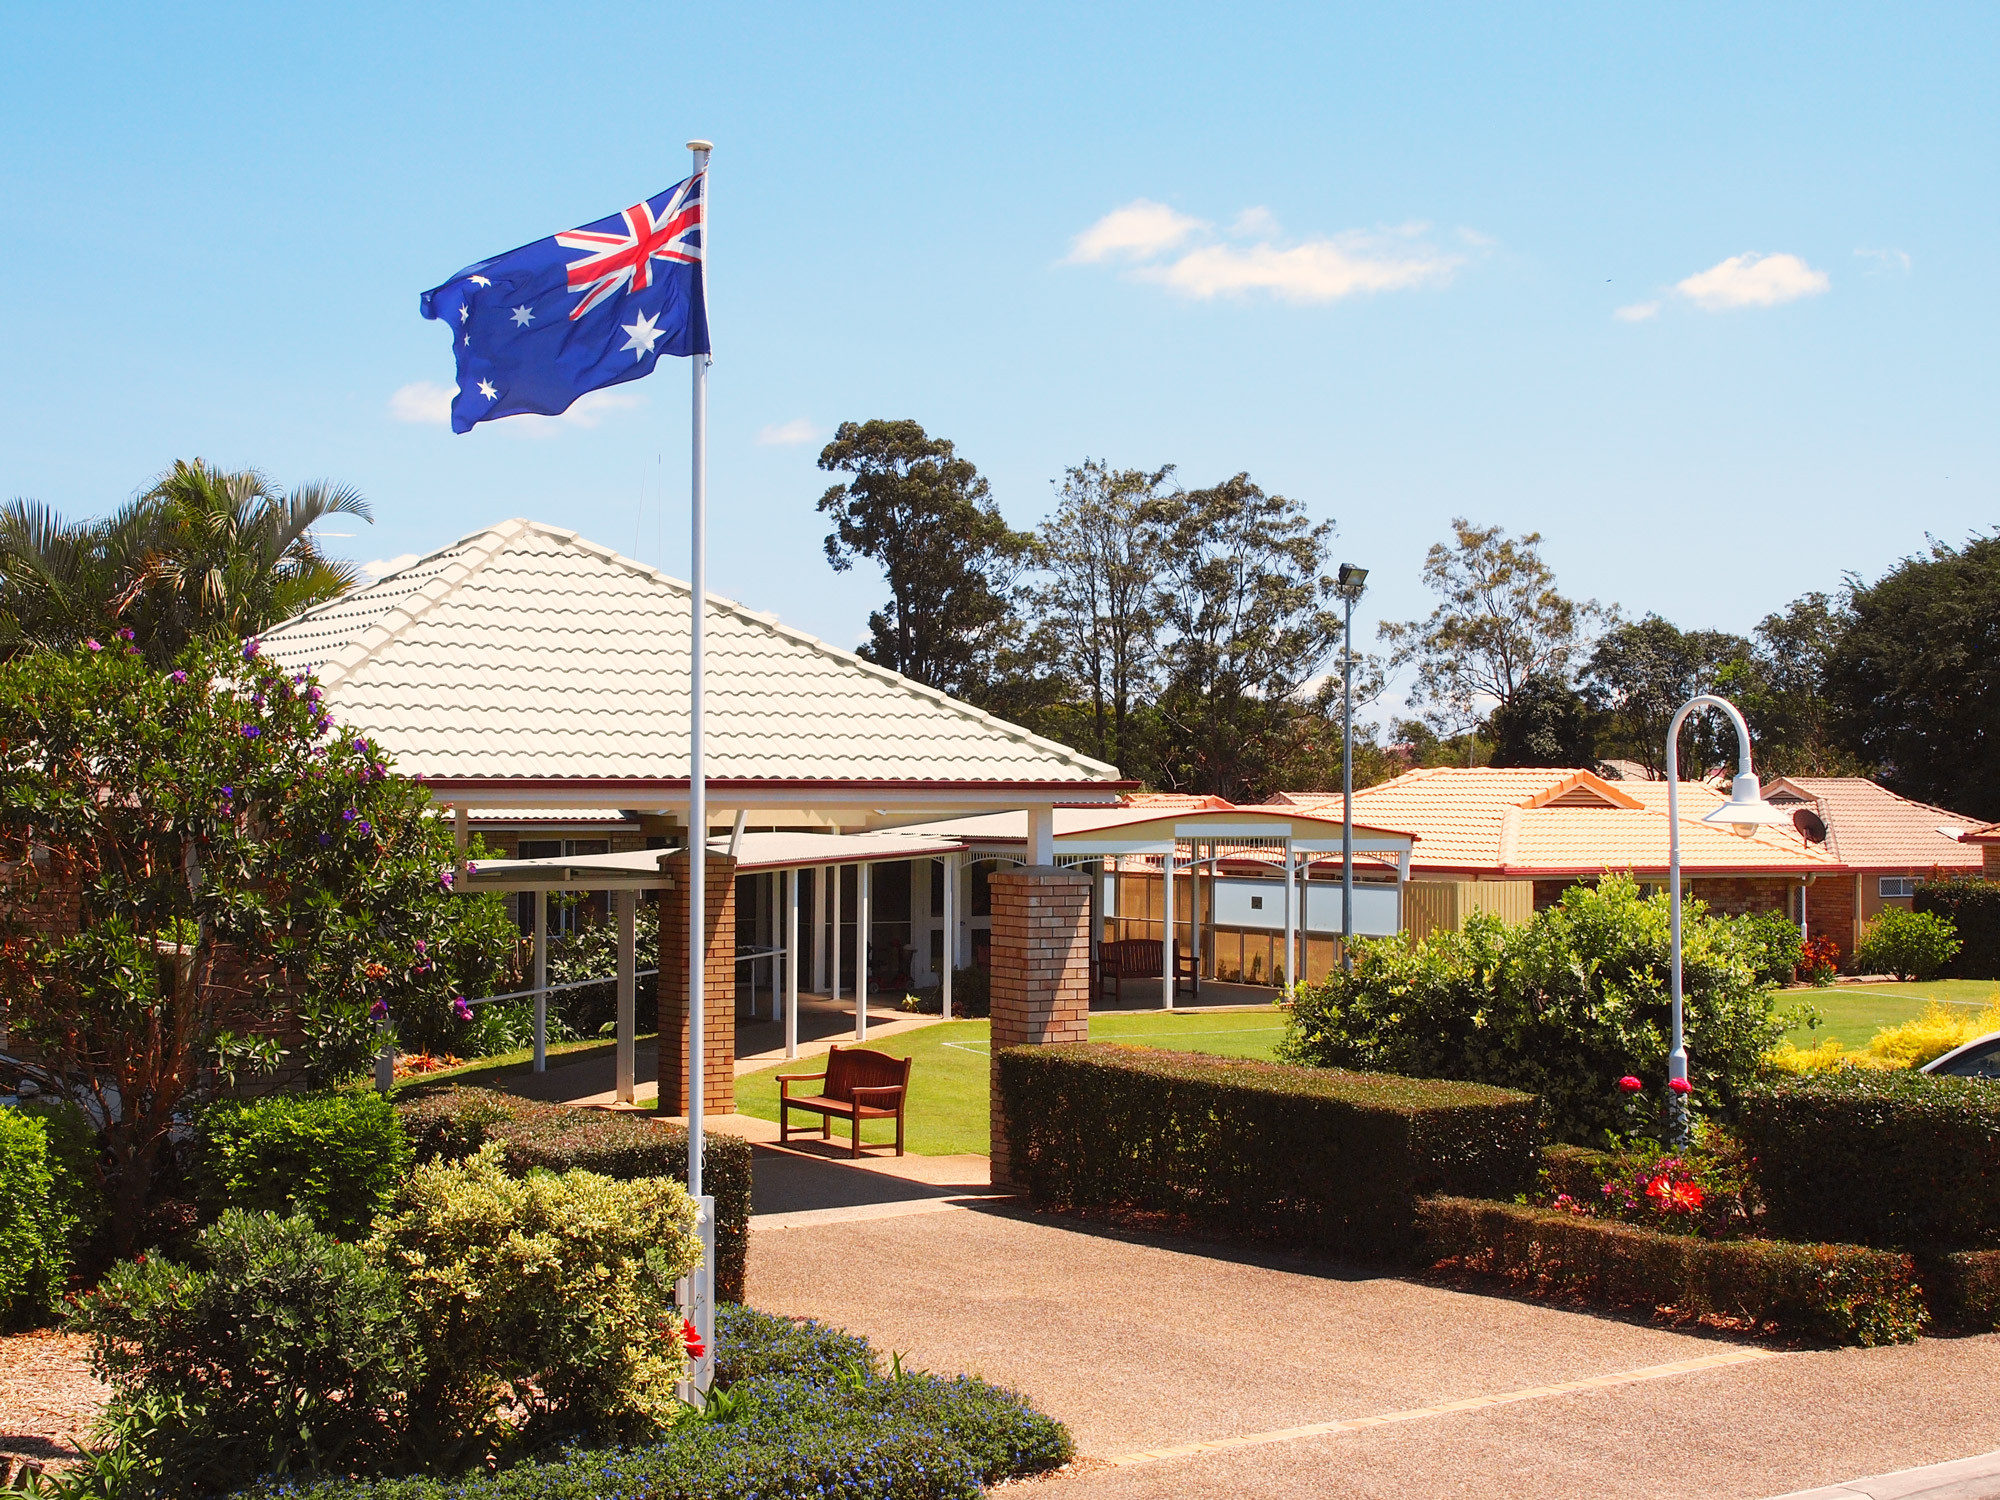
[(1748, 893), (1040, 973), (1830, 911), (718, 987)]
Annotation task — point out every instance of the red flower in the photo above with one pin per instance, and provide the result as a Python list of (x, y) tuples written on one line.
[(1630, 1084), (691, 1337), (1680, 1085)]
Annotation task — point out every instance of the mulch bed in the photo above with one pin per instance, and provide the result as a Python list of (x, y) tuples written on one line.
[(48, 1398)]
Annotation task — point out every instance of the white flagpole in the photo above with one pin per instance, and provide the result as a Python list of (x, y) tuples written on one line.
[(697, 774)]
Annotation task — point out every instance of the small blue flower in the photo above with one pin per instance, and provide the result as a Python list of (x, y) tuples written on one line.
[(228, 792), (251, 648), (251, 731)]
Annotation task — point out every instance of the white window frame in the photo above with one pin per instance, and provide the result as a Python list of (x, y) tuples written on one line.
[(1906, 885)]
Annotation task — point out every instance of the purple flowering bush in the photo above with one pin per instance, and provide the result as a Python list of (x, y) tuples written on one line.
[(244, 884)]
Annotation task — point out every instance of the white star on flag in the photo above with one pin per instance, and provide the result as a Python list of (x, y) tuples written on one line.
[(486, 390), (645, 333), (464, 312), (523, 316)]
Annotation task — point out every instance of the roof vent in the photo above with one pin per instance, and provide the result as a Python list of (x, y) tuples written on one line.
[(1811, 826)]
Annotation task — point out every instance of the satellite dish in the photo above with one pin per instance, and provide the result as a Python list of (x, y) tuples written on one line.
[(1811, 826)]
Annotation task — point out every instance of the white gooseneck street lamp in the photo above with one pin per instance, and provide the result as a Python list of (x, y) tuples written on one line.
[(1743, 814), (1349, 586)]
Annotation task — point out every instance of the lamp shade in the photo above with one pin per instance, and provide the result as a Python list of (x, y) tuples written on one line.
[(1746, 810)]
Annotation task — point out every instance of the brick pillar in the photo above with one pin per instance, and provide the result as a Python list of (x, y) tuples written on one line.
[(718, 987), (1040, 973)]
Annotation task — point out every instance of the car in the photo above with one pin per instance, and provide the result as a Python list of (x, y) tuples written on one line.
[(1978, 1058)]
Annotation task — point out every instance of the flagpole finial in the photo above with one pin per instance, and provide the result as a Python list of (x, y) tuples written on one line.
[(701, 145)]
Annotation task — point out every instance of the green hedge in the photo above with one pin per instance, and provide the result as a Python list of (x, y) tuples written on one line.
[(1973, 907), (1963, 1287), (455, 1122), (334, 1157), (34, 1231), (1878, 1157), (1311, 1156), (1842, 1294)]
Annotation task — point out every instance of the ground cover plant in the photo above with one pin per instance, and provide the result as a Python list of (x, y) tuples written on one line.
[(209, 880), (1310, 1156), (1554, 1006)]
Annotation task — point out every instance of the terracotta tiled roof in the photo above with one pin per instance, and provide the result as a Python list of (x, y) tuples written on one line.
[(1524, 823), (524, 651), (1870, 827)]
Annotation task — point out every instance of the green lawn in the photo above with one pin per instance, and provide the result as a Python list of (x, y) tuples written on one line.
[(947, 1113), (492, 1072), (1853, 1013)]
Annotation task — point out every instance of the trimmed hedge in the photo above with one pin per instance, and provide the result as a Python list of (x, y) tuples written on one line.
[(1842, 1294), (1878, 1157), (455, 1122), (333, 1157), (1311, 1156), (1973, 907), (1964, 1289)]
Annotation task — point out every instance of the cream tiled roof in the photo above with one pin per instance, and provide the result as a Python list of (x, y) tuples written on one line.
[(524, 651), (1870, 827), (1524, 823)]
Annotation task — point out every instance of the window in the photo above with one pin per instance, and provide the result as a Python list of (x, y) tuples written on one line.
[(1890, 886), (1256, 903)]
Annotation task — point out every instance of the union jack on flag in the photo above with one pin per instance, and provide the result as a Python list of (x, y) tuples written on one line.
[(542, 325)]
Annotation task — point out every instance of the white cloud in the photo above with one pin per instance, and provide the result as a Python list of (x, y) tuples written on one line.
[(423, 401), (1753, 280), (1254, 221), (382, 567), (1887, 260), (1316, 271), (787, 434), (1137, 231), (1636, 312)]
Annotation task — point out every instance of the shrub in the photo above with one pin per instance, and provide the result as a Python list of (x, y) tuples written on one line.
[(1973, 909), (749, 1343), (1558, 1007), (455, 1122), (34, 1227), (1878, 1158), (1700, 1190), (281, 1352), (552, 1293), (1963, 1287), (1819, 960), (1771, 944), (1936, 1030), (971, 996), (1912, 945), (1841, 1294), (333, 1157), (78, 1192), (1313, 1156)]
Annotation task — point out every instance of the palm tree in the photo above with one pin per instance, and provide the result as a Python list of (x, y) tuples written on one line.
[(203, 554), (228, 555)]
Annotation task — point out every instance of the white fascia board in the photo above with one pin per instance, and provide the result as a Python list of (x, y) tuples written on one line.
[(803, 798), (1233, 831), (1333, 846)]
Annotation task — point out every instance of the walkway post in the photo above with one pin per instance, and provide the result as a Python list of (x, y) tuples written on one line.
[(791, 900), (833, 934), (950, 943), (1291, 925), (861, 952), (541, 980), (1350, 582), (628, 994), (817, 980), (1167, 926)]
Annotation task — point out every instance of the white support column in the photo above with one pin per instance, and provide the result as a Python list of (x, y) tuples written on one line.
[(817, 983), (541, 978), (1167, 928), (861, 951), (833, 931), (791, 963), (1041, 835), (1194, 922), (1096, 872), (461, 830), (950, 944), (628, 905), (1291, 959)]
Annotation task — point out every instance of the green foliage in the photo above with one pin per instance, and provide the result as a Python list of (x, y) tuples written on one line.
[(971, 996), (35, 1230), (1639, 674), (333, 1157), (1310, 1156), (1878, 1157), (1973, 909), (551, 1294), (280, 1352), (1702, 1189), (1915, 682), (801, 1412), (453, 1123), (75, 1149), (1771, 944), (1547, 723), (233, 866), (1838, 1294), (1562, 1007), (1912, 945), (1963, 1288)]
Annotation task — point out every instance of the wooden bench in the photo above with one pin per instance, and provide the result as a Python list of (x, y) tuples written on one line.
[(1138, 958), (860, 1084)]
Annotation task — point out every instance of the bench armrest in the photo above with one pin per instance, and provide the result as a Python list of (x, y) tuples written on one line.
[(786, 1080), (895, 1090)]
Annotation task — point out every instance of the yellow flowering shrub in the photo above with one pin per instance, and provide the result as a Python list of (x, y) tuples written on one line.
[(543, 1302), (1935, 1031)]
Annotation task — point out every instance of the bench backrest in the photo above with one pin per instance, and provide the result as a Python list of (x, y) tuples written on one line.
[(851, 1068), (1131, 958)]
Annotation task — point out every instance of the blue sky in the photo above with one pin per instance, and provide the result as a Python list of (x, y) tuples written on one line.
[(1705, 294)]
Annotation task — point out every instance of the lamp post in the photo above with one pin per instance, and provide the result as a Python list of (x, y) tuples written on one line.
[(1349, 584), (1743, 814)]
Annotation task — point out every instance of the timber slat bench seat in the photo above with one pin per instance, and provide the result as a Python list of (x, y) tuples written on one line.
[(1137, 958), (861, 1084)]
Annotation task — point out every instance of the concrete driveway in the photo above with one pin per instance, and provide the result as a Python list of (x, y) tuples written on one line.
[(1188, 1369)]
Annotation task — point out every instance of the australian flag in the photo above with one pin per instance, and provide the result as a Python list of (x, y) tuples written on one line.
[(539, 326)]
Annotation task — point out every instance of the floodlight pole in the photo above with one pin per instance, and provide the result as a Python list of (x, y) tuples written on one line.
[(1351, 583), (1677, 1057)]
